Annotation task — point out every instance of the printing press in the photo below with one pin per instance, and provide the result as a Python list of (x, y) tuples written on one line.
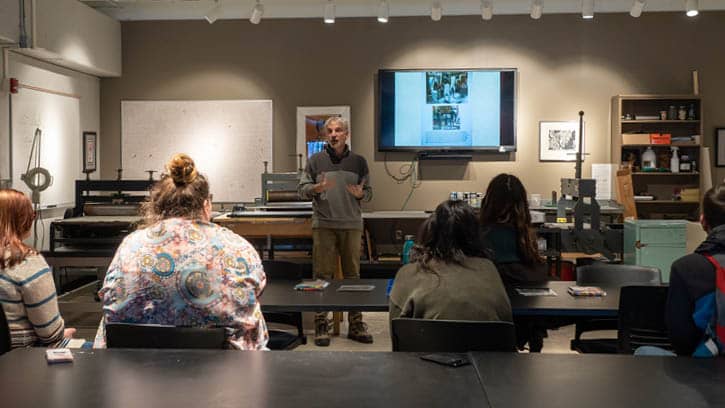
[(105, 212)]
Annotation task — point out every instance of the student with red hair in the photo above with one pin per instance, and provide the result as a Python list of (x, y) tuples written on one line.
[(27, 290)]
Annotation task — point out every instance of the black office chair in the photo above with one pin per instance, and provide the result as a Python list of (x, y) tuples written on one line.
[(5, 341), (456, 336), (126, 335), (604, 274), (642, 318), (283, 339)]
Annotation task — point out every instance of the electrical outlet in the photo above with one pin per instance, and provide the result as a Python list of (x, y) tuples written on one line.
[(398, 235)]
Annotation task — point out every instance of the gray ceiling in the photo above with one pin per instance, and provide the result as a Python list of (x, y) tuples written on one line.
[(241, 9)]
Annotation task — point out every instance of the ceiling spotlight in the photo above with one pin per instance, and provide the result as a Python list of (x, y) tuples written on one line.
[(537, 7), (383, 11), (330, 12), (214, 13), (486, 9), (637, 8), (588, 9), (692, 7), (436, 11), (257, 13)]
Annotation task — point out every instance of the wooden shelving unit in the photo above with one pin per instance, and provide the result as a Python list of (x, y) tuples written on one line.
[(662, 185)]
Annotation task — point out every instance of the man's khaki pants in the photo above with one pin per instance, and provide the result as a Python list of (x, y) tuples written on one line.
[(328, 245)]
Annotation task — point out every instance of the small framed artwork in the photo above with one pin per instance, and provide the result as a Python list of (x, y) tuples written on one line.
[(89, 152), (311, 127), (558, 141), (720, 147)]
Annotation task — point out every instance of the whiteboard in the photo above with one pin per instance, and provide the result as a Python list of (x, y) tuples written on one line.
[(229, 141), (59, 119)]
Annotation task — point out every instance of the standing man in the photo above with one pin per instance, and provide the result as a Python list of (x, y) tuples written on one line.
[(336, 180)]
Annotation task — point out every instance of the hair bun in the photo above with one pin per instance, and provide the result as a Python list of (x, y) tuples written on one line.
[(182, 169)]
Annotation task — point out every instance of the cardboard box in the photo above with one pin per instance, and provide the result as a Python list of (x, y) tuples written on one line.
[(635, 138), (660, 138)]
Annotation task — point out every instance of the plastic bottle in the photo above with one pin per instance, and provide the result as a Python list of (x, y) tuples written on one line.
[(675, 160), (649, 159), (406, 248)]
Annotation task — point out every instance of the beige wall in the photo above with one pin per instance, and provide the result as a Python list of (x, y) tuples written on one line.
[(565, 65)]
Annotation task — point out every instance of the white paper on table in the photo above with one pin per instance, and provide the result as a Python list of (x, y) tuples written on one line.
[(602, 173)]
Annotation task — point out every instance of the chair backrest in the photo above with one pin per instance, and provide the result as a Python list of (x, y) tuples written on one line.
[(125, 335), (456, 336), (642, 318), (5, 341), (283, 269), (617, 275)]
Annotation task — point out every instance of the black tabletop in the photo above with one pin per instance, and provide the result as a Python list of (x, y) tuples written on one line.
[(564, 304), (594, 381), (280, 296), (216, 378)]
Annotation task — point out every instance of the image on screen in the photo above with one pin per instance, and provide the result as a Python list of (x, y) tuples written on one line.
[(446, 109)]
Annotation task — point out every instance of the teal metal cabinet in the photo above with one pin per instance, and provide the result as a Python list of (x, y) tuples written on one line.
[(655, 243)]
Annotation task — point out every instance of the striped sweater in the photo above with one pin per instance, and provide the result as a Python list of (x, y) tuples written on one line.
[(27, 295)]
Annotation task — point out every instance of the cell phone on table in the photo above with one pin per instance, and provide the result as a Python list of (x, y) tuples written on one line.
[(447, 359)]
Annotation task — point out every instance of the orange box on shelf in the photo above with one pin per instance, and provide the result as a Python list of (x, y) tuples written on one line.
[(635, 138), (660, 138)]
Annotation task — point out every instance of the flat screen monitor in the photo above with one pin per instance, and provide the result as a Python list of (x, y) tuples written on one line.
[(448, 110)]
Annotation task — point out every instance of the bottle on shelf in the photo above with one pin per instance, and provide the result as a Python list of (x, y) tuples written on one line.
[(682, 113), (691, 112), (672, 113), (649, 159), (407, 246), (685, 164), (675, 160)]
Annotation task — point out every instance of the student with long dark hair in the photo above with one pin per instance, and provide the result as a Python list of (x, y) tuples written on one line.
[(450, 277), (508, 234), (511, 240)]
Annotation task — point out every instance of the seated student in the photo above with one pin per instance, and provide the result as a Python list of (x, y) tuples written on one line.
[(27, 289), (508, 234), (450, 277), (182, 270), (695, 297)]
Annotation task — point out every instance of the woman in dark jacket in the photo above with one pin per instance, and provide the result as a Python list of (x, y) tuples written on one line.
[(511, 240)]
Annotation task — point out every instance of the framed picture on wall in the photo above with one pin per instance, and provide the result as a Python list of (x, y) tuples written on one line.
[(89, 152), (720, 147), (558, 141), (310, 127)]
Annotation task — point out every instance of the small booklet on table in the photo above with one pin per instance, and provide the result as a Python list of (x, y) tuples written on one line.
[(535, 292), (312, 285), (355, 288), (586, 291)]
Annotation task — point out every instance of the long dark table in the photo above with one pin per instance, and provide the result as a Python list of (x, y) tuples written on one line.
[(228, 378), (280, 296), (600, 381), (563, 304)]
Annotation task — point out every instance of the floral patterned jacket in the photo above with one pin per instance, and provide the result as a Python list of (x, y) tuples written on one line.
[(187, 273)]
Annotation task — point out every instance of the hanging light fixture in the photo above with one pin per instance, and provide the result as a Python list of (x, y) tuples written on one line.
[(637, 8), (537, 8), (214, 13), (587, 9), (257, 13), (692, 8), (436, 11), (383, 11), (330, 12)]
